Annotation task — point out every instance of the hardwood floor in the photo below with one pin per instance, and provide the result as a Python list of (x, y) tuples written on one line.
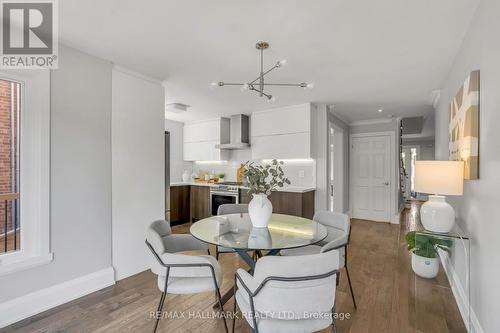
[(390, 298)]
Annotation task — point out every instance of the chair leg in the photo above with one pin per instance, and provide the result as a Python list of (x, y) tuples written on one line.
[(208, 251), (234, 310), (159, 310), (350, 287), (222, 310), (334, 322), (217, 253)]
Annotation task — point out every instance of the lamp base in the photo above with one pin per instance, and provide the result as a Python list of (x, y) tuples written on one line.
[(437, 215)]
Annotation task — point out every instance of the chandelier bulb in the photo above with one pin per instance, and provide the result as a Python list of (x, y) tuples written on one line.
[(310, 85), (282, 63)]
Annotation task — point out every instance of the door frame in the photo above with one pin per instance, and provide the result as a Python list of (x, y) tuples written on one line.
[(410, 146), (340, 171), (393, 212)]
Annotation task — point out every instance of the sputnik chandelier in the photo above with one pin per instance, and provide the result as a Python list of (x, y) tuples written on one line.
[(258, 85)]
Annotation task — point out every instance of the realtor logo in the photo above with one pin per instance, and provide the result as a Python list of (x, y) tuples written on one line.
[(29, 34)]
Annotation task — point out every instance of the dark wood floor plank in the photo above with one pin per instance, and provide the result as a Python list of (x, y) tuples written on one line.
[(390, 297)]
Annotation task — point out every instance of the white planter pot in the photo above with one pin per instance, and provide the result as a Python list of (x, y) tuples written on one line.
[(425, 267), (260, 210)]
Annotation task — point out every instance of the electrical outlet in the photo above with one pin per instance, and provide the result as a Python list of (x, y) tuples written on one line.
[(302, 174)]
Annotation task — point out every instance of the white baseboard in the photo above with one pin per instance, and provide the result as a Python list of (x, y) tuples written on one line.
[(31, 304), (395, 219), (460, 295)]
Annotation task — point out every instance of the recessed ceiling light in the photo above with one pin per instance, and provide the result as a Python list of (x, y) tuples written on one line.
[(380, 110)]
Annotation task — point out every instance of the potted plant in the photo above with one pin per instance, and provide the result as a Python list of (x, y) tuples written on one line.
[(261, 181), (424, 253), (221, 176)]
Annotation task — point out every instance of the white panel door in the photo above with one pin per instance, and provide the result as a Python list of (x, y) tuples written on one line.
[(371, 177)]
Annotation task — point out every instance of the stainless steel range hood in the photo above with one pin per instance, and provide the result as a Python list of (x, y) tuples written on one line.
[(238, 133)]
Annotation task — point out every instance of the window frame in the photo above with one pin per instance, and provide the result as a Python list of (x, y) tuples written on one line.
[(34, 172)]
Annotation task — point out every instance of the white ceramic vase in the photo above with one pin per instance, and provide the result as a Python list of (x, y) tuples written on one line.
[(260, 238), (260, 210), (425, 267)]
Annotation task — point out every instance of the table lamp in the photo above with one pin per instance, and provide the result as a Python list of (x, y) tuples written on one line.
[(438, 178)]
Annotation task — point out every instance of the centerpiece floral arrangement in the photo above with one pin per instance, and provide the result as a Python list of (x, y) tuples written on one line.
[(264, 178), (261, 181)]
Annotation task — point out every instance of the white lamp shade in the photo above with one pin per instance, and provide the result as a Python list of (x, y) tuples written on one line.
[(439, 177)]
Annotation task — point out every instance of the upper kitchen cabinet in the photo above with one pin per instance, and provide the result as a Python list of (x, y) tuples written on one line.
[(283, 133), (201, 137)]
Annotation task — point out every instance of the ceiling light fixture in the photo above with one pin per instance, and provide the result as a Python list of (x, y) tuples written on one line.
[(379, 110), (259, 84)]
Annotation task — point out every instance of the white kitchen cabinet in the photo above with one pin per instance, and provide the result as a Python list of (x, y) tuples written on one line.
[(204, 151), (284, 146), (200, 139), (202, 131), (283, 133), (286, 120)]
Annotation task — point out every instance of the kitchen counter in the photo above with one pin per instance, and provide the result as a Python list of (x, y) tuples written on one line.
[(293, 189)]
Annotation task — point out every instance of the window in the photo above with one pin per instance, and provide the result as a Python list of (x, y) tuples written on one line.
[(10, 226), (24, 169)]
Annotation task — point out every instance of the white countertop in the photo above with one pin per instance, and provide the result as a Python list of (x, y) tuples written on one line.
[(294, 189)]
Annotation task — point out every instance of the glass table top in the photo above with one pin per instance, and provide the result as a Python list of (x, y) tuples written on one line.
[(236, 231)]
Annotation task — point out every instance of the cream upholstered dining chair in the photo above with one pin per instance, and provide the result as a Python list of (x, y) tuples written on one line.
[(339, 230), (289, 294), (181, 273), (224, 210)]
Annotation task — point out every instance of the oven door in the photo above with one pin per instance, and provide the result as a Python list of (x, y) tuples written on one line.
[(220, 198)]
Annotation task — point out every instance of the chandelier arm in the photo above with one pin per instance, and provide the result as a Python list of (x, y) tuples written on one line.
[(261, 92), (233, 84), (266, 72), (285, 84)]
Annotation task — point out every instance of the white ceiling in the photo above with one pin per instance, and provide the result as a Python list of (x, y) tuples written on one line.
[(360, 55)]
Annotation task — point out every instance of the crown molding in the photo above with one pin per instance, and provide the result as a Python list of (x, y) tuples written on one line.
[(371, 121), (435, 97), (137, 74)]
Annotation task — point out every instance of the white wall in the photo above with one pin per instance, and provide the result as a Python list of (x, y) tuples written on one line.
[(80, 194), (138, 167), (177, 164), (477, 209), (320, 119), (341, 163)]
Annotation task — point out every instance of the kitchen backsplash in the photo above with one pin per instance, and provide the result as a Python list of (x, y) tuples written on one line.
[(300, 172)]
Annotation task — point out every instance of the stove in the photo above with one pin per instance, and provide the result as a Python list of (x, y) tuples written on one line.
[(223, 193), (230, 183)]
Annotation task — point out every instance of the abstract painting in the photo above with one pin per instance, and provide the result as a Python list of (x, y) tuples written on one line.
[(464, 126)]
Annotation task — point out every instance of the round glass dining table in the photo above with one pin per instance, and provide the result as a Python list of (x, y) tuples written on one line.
[(235, 231)]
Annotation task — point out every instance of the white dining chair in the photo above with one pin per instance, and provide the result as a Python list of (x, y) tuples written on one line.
[(288, 294), (224, 210), (181, 273), (339, 230)]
